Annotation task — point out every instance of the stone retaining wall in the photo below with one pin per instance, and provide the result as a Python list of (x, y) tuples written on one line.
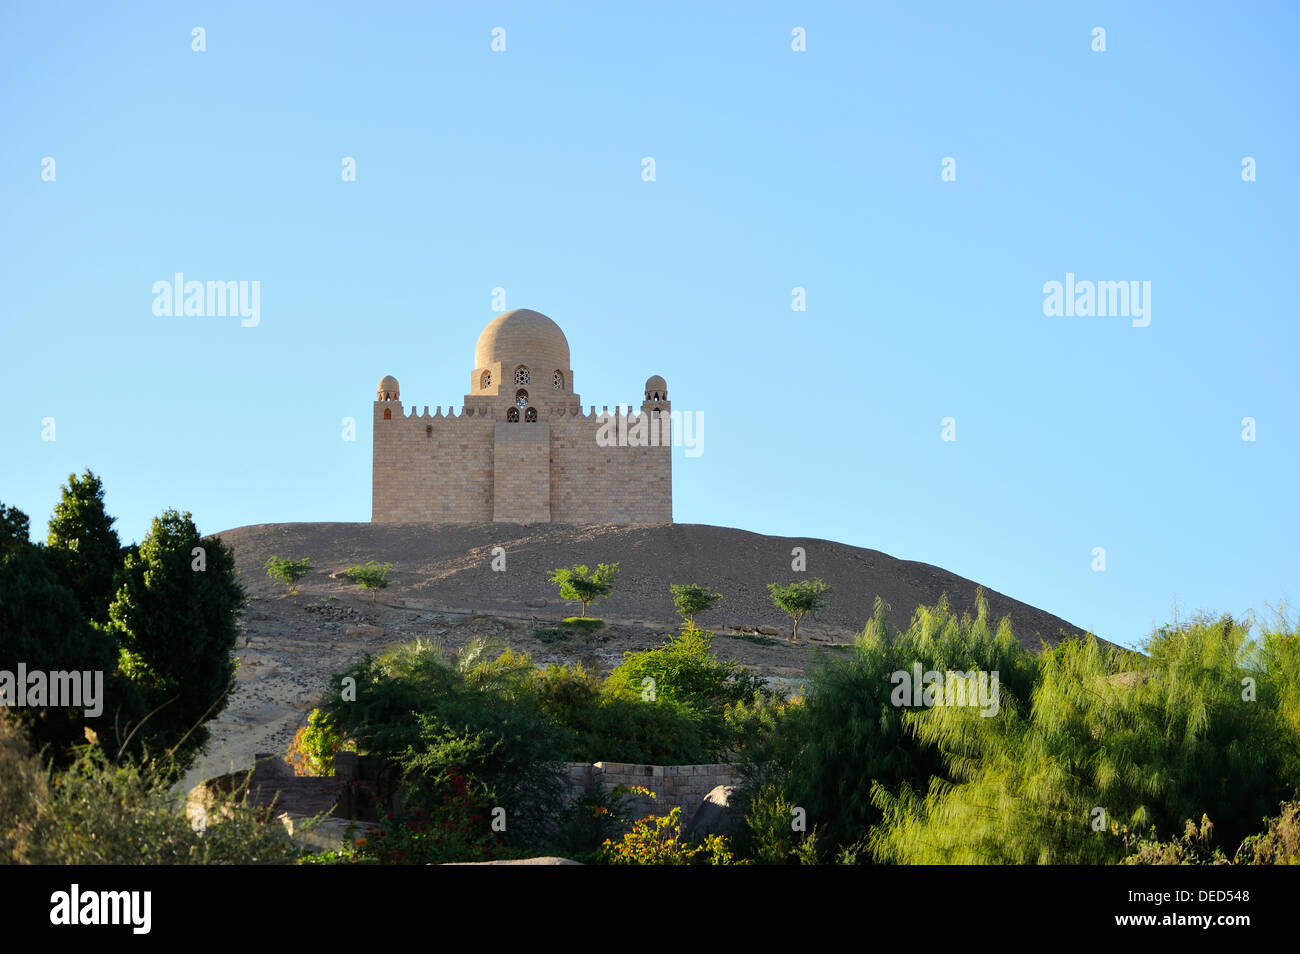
[(677, 786)]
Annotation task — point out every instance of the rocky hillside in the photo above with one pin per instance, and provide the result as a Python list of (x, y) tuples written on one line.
[(443, 589), (449, 568)]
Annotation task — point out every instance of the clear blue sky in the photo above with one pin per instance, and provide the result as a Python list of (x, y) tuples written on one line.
[(775, 169)]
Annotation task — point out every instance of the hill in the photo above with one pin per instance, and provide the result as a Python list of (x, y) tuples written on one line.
[(448, 567)]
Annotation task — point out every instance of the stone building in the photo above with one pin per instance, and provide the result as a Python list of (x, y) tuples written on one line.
[(521, 449)]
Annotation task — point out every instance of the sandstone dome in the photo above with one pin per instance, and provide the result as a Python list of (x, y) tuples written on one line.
[(656, 385), (388, 388), (524, 337)]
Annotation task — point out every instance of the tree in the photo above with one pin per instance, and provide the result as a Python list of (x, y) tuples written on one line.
[(373, 576), (288, 572), (799, 599), (691, 598), (42, 627), (14, 529), (584, 585), (84, 548), (176, 615)]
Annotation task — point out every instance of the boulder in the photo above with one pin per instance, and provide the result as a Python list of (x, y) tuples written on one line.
[(363, 631), (716, 815)]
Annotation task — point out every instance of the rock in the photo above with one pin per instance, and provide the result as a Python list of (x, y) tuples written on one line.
[(535, 603), (363, 631), (767, 631), (716, 815), (548, 860)]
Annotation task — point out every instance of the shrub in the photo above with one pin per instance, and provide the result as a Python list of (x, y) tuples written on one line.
[(371, 576), (455, 829), (768, 836), (314, 746), (427, 711), (581, 626), (585, 585), (612, 726), (97, 812), (1278, 845), (684, 671), (288, 572), (657, 840)]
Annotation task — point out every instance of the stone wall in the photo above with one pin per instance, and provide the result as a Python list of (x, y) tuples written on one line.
[(677, 786), (474, 467)]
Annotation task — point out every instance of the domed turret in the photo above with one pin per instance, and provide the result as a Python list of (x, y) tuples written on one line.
[(656, 389), (388, 388)]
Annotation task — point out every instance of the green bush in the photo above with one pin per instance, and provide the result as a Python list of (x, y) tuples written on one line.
[(428, 711), (658, 840), (768, 836), (684, 671), (314, 746), (581, 625), (371, 576), (288, 572)]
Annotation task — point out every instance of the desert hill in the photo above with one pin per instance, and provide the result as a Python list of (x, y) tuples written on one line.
[(443, 589), (448, 567)]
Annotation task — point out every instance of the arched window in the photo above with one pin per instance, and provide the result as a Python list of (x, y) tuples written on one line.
[(388, 414), (558, 381), (530, 416), (512, 416), (521, 398), (485, 381), (522, 376)]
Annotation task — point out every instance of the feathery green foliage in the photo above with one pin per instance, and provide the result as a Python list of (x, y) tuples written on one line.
[(585, 585), (1109, 743)]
